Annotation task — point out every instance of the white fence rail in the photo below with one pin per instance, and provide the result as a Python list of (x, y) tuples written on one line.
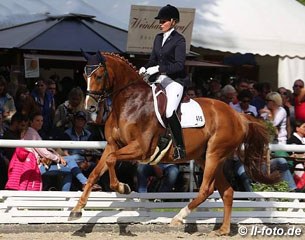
[(54, 207), (25, 207), (102, 145)]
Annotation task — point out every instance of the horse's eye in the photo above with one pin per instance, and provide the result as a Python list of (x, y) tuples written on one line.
[(99, 77)]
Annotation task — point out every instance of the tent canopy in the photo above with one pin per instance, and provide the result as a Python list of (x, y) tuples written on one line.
[(264, 27), (69, 33), (272, 27)]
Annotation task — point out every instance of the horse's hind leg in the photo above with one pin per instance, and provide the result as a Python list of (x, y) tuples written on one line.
[(206, 189), (226, 193)]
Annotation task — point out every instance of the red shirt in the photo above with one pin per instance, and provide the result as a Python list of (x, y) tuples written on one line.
[(299, 108)]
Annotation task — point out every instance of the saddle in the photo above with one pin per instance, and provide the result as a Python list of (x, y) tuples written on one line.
[(189, 114)]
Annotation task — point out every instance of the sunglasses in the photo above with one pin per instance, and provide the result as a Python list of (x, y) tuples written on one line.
[(296, 85), (283, 93)]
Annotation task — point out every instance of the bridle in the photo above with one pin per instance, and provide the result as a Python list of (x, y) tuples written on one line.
[(97, 96)]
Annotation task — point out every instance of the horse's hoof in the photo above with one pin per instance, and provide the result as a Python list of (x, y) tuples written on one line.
[(218, 233), (175, 222), (127, 189), (74, 216)]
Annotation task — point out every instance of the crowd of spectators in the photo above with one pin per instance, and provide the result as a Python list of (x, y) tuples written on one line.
[(40, 113)]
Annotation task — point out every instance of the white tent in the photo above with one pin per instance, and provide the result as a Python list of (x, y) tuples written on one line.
[(263, 27)]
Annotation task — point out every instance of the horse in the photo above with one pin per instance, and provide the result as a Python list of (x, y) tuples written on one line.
[(132, 132)]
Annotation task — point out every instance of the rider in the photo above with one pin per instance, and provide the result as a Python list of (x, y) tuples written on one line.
[(167, 63)]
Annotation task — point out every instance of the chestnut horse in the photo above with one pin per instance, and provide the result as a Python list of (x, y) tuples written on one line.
[(132, 132)]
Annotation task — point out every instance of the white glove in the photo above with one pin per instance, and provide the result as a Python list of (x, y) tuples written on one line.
[(152, 70), (142, 70)]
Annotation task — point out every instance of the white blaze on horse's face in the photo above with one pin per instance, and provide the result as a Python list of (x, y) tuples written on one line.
[(90, 103)]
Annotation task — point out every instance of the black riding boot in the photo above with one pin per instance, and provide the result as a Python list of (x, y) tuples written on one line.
[(176, 131)]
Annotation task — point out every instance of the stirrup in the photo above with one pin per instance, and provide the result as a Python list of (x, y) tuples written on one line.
[(179, 153)]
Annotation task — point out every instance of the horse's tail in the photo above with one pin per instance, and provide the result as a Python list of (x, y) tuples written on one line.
[(255, 158)]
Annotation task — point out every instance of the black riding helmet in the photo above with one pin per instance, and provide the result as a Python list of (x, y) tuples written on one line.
[(169, 12)]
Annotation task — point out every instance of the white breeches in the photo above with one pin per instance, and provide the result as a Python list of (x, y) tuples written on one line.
[(174, 92)]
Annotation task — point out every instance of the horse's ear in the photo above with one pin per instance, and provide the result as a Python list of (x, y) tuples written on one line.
[(100, 57), (86, 55)]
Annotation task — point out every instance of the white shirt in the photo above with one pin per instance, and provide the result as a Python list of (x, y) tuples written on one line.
[(166, 35), (251, 109)]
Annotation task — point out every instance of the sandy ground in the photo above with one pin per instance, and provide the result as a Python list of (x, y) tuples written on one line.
[(136, 232)]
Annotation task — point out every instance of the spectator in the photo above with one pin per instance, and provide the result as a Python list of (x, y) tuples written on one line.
[(191, 92), (214, 90), (262, 89), (67, 166), (284, 94), (228, 94), (242, 84), (15, 131), (276, 164), (166, 173), (52, 88), (64, 112), (275, 113), (78, 132), (298, 137), (299, 99), (7, 103), (25, 103), (244, 98), (45, 101)]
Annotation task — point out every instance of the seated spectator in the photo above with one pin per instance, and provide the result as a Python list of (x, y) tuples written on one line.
[(64, 112), (298, 137), (243, 106), (280, 164), (7, 103), (214, 89), (228, 94), (275, 113), (259, 100), (191, 92), (52, 88), (78, 132), (166, 173), (15, 131), (24, 102), (45, 101), (66, 166), (276, 164)]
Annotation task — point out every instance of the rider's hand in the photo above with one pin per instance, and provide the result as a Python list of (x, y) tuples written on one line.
[(152, 70), (142, 70)]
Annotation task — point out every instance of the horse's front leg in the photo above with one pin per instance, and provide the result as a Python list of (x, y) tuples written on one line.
[(129, 152), (98, 171)]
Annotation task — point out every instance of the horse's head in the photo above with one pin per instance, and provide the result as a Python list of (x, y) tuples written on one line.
[(106, 74), (96, 75)]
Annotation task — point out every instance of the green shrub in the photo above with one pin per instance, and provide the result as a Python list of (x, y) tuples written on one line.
[(278, 187)]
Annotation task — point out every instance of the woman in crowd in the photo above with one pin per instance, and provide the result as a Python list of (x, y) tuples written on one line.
[(275, 113), (59, 165)]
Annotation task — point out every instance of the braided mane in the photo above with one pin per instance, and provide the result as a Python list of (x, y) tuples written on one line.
[(122, 58)]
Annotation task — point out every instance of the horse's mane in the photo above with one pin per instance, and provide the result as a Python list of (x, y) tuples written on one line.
[(121, 58)]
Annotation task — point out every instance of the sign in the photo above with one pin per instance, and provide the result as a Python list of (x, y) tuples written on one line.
[(143, 27), (31, 68)]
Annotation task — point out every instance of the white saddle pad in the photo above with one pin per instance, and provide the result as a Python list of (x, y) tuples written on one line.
[(192, 114)]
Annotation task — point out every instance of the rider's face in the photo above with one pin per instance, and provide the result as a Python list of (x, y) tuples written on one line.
[(166, 24)]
